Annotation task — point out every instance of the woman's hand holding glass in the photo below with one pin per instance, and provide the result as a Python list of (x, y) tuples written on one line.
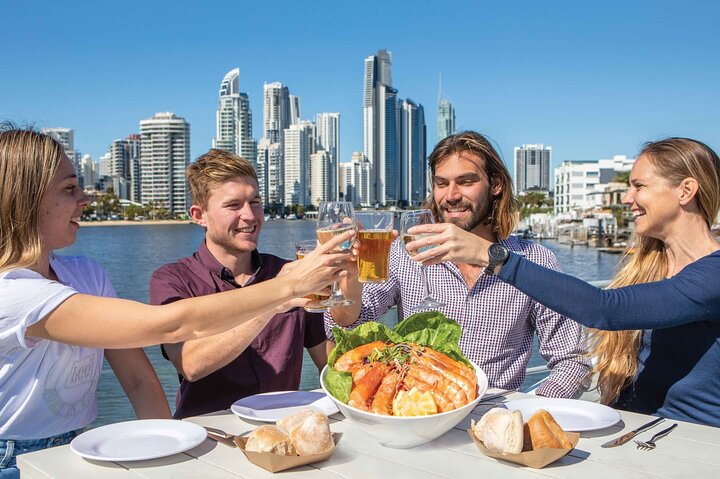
[(437, 243)]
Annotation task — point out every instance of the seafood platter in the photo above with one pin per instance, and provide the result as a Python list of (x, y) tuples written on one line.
[(403, 386)]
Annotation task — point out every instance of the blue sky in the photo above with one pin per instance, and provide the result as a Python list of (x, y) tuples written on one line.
[(590, 79)]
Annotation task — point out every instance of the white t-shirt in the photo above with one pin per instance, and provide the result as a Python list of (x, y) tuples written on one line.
[(46, 388)]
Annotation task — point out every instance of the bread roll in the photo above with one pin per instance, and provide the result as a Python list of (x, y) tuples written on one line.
[(500, 430), (270, 439), (309, 431), (542, 431)]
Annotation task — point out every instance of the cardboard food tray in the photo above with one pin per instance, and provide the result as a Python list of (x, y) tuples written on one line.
[(536, 459), (276, 463)]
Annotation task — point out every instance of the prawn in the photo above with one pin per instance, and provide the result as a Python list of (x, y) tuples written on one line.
[(415, 378), (382, 402), (448, 371), (356, 357), (364, 389)]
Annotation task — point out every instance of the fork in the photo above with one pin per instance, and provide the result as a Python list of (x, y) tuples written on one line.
[(650, 445), (221, 436)]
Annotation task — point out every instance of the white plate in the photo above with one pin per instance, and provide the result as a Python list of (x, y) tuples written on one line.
[(271, 407), (570, 414), (138, 440)]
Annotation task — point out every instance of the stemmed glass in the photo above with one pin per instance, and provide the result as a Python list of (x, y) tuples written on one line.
[(407, 221), (334, 218)]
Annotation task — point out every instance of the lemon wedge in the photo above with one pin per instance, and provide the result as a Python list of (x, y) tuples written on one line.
[(414, 403)]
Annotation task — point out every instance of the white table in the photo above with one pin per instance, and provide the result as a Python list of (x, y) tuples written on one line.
[(691, 451)]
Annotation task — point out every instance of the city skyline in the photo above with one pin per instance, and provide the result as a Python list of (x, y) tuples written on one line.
[(599, 83)]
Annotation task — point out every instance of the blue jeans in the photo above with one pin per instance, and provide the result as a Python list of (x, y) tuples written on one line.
[(10, 449)]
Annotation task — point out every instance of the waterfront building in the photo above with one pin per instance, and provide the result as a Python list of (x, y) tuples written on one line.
[(105, 164), (298, 146), (413, 166), (532, 168), (164, 155), (134, 179), (356, 180), (322, 178), (118, 162), (445, 118), (233, 119), (327, 128), (294, 109), (270, 172), (119, 185), (583, 185), (90, 171), (66, 137), (276, 111), (381, 144)]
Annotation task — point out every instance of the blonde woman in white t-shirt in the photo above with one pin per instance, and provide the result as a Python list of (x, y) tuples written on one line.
[(57, 313)]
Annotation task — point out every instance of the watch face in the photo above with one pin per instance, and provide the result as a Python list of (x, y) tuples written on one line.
[(497, 252)]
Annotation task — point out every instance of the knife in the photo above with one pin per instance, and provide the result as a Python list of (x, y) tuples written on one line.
[(626, 437)]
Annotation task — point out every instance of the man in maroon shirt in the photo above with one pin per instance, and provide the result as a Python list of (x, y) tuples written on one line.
[(259, 356)]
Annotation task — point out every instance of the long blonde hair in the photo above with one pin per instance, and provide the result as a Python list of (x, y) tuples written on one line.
[(28, 163), (675, 159), (504, 213)]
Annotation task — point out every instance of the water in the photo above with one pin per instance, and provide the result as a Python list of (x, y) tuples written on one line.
[(130, 254)]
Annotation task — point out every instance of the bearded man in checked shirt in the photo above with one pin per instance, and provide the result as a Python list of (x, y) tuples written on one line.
[(472, 189)]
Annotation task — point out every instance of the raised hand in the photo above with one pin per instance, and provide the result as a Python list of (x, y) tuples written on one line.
[(452, 243), (320, 268)]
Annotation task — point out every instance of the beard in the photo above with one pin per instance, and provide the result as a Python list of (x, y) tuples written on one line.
[(479, 213)]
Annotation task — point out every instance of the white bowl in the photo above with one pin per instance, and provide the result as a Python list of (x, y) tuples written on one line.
[(406, 432)]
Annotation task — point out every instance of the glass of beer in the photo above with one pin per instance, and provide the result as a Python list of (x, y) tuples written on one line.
[(407, 221), (374, 236), (316, 304), (335, 218)]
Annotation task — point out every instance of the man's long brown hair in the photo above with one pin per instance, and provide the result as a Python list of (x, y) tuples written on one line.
[(504, 213)]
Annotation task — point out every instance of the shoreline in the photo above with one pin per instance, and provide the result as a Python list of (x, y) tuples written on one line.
[(85, 224)]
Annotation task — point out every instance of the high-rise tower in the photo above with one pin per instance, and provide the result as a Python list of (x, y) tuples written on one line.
[(532, 168), (65, 136), (446, 115), (381, 127), (327, 127), (299, 144), (233, 131), (445, 119), (276, 111), (164, 155), (413, 183)]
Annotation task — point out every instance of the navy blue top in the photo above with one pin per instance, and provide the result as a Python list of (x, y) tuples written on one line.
[(679, 361)]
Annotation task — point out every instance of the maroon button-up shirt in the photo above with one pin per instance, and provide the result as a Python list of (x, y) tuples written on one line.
[(272, 362)]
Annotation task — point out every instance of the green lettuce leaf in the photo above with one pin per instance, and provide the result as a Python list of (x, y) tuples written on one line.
[(345, 340), (434, 330), (339, 384)]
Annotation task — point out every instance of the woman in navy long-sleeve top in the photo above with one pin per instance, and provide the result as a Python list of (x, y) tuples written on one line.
[(658, 326)]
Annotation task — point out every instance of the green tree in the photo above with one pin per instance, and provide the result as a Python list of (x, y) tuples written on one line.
[(534, 202), (622, 177), (133, 211)]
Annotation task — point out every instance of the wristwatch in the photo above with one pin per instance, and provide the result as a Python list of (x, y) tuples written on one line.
[(497, 255)]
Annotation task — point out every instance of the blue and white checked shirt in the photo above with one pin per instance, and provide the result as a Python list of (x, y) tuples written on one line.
[(498, 321)]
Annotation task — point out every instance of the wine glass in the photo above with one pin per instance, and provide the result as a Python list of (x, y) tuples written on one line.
[(407, 221), (335, 218)]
